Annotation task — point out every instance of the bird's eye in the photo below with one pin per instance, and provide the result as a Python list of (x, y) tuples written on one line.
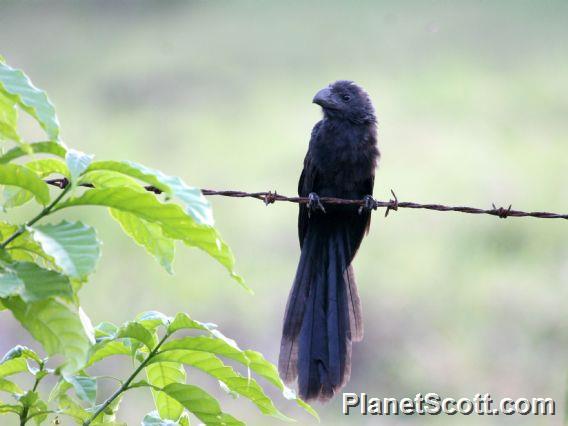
[(346, 98)]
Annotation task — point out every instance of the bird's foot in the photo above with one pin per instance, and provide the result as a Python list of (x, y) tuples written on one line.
[(314, 203), (369, 204)]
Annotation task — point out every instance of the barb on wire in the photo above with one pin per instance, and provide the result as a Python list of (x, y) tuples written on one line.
[(269, 197)]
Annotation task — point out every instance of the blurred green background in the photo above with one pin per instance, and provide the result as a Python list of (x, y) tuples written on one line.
[(473, 109)]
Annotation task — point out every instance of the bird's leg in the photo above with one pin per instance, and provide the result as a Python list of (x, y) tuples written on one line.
[(314, 203), (369, 204)]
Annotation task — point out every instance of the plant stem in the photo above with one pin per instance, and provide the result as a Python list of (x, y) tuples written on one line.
[(39, 216), (24, 416), (124, 386)]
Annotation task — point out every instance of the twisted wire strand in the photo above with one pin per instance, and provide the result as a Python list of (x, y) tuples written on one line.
[(270, 197)]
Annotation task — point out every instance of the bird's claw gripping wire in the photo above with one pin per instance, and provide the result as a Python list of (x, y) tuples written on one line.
[(314, 203), (369, 203)]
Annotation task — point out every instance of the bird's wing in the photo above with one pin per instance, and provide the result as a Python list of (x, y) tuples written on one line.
[(307, 184)]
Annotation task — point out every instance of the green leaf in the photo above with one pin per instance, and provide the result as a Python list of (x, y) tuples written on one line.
[(77, 162), (8, 119), (74, 246), (207, 344), (108, 348), (148, 235), (10, 284), (137, 331), (153, 319), (71, 408), (13, 366), (37, 283), (85, 388), (193, 200), (183, 321), (210, 364), (225, 347), (201, 404), (10, 408), (18, 87), (20, 351), (153, 419), (106, 329), (22, 177), (47, 147), (38, 407), (16, 197), (60, 389), (10, 387), (60, 327), (48, 166), (172, 219), (161, 374), (107, 179)]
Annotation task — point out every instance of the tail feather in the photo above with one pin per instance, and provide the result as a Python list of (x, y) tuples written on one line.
[(323, 316)]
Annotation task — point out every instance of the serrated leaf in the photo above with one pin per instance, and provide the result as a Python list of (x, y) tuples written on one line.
[(193, 200), (161, 374), (8, 119), (137, 331), (74, 246), (85, 388), (18, 87), (172, 219), (40, 284), (223, 346), (148, 235), (77, 162), (210, 364), (46, 147), (201, 404), (60, 327), (22, 177), (10, 387)]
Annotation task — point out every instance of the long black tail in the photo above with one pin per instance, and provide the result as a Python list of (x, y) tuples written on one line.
[(323, 315)]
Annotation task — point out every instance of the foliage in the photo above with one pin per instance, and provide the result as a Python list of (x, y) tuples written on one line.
[(44, 266)]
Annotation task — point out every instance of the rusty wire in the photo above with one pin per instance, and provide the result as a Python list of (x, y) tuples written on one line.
[(393, 204)]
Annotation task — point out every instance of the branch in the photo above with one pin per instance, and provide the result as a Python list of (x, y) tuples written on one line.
[(39, 216), (124, 386), (393, 204)]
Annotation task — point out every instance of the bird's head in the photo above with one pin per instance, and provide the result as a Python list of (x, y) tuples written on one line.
[(345, 100)]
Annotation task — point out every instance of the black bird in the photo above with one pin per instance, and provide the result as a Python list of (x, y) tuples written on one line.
[(323, 313)]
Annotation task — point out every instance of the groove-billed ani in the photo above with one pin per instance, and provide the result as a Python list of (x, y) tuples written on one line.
[(323, 313)]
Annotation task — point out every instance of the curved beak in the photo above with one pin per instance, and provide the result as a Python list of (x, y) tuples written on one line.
[(324, 98)]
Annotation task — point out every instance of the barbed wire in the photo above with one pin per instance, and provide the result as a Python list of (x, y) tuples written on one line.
[(270, 197)]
